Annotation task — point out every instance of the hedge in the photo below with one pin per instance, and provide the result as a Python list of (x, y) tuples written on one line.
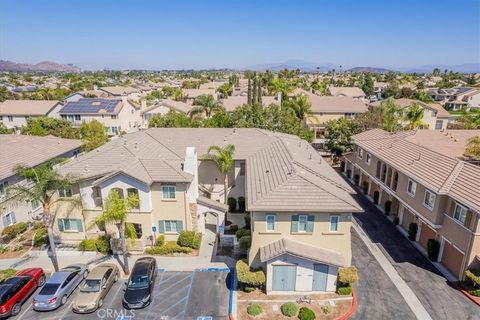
[(347, 275), (168, 248), (103, 244), (306, 314), (87, 245), (473, 275), (245, 242), (14, 230), (7, 273), (289, 309), (160, 240), (433, 248), (365, 187), (234, 228), (376, 196), (190, 239), (241, 204), (250, 278), (412, 231), (232, 204), (242, 233), (344, 290), (248, 221), (388, 207), (254, 309)]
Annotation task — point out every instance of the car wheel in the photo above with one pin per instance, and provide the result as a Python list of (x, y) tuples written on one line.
[(116, 278), (85, 274), (41, 280), (64, 300), (16, 308), (100, 303)]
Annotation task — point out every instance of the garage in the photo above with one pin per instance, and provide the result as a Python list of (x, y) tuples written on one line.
[(408, 218), (452, 258), (284, 278), (426, 233), (320, 275)]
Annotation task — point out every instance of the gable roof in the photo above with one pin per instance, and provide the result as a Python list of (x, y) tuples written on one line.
[(119, 90), (346, 91), (336, 104), (27, 107), (405, 103), (233, 102), (92, 106)]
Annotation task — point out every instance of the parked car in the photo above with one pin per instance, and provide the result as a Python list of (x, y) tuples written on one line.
[(140, 284), (95, 288), (59, 286), (15, 290)]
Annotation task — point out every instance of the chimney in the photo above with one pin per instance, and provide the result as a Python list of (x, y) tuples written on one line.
[(191, 166), (95, 87), (144, 104)]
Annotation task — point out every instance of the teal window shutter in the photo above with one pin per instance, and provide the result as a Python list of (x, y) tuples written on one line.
[(294, 225), (5, 221), (14, 219), (179, 225), (79, 225), (60, 225), (310, 223), (161, 225)]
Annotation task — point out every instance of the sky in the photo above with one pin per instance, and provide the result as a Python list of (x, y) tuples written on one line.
[(181, 34)]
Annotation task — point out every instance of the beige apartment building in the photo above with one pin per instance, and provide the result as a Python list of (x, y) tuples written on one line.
[(15, 113), (300, 208), (424, 178)]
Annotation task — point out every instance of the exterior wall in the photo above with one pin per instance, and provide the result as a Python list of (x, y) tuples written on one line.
[(238, 188), (16, 123), (211, 180), (321, 236), (322, 118)]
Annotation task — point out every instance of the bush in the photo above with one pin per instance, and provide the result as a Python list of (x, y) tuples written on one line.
[(289, 309), (242, 233), (3, 249), (15, 229), (168, 248), (474, 292), (388, 207), (365, 187), (40, 238), (87, 245), (356, 178), (248, 289), (344, 290), (412, 231), (190, 239), (248, 221), (474, 276), (306, 314), (396, 221), (254, 309), (327, 309), (160, 240), (245, 242), (38, 225), (347, 275), (433, 247), (241, 204), (102, 243), (234, 228), (232, 204), (376, 196), (7, 273), (247, 277)]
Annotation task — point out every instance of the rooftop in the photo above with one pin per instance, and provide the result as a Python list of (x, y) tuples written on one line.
[(92, 106), (27, 107), (119, 90), (336, 104), (346, 91)]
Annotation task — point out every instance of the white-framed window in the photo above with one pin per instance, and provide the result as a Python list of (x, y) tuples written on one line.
[(429, 199), (77, 117), (3, 188), (349, 115), (70, 225), (438, 124), (460, 213), (35, 205), (368, 158), (360, 153), (168, 192), (113, 116), (334, 223), (171, 226), (302, 223), (9, 219), (10, 118), (65, 192), (411, 187), (270, 222)]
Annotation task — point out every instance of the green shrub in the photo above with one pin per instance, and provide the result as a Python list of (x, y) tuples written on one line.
[(396, 221), (376, 196), (241, 204), (40, 238), (248, 289), (247, 277), (306, 314), (242, 233), (248, 220), (102, 243), (190, 239), (3, 249), (474, 292), (254, 309), (7, 273), (365, 187), (412, 231), (38, 225), (130, 231), (87, 245), (388, 207), (170, 247), (327, 309), (433, 248), (232, 204), (474, 276), (245, 242), (289, 309), (234, 228), (347, 275), (344, 290), (14, 230), (160, 240)]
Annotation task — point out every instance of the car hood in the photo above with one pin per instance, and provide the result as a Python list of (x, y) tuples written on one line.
[(135, 295), (85, 298)]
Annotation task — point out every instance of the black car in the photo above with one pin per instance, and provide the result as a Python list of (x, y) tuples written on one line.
[(138, 293)]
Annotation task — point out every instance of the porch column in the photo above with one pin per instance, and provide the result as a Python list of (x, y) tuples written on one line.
[(417, 237)]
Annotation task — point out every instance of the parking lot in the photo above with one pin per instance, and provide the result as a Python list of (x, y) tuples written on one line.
[(177, 295)]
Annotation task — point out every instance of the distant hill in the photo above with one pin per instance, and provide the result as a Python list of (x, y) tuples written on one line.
[(44, 66), (292, 65), (369, 69)]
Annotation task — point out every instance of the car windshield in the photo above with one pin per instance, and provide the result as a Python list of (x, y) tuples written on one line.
[(91, 285), (49, 289), (138, 282)]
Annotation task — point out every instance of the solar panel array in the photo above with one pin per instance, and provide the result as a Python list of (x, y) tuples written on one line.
[(90, 105)]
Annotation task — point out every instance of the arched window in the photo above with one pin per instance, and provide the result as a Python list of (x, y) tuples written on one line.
[(133, 192)]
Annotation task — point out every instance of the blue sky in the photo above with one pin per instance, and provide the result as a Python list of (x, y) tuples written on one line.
[(201, 34)]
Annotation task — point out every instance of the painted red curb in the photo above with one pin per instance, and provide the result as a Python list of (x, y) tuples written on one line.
[(468, 295), (352, 309), (230, 317)]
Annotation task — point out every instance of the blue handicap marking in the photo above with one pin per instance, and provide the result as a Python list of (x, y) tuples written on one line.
[(204, 318), (154, 229), (124, 317)]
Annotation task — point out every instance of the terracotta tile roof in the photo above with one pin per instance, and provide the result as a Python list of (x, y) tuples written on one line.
[(336, 104), (27, 107), (233, 102), (346, 91), (404, 103)]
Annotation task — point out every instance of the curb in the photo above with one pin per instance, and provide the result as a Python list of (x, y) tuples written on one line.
[(468, 295), (352, 309), (232, 312)]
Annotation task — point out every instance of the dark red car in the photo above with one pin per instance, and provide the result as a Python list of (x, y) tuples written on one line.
[(15, 290)]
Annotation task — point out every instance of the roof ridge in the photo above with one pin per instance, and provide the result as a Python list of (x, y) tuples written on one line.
[(140, 161), (447, 185), (159, 142), (322, 176)]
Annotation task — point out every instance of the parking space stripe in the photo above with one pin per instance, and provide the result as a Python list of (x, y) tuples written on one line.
[(164, 289), (188, 296), (155, 295), (25, 311)]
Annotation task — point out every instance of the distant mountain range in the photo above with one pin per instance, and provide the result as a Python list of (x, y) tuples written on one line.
[(370, 69), (44, 66)]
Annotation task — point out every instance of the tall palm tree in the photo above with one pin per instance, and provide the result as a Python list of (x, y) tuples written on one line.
[(284, 87), (301, 106), (41, 185), (115, 212), (473, 148), (206, 104), (414, 117), (223, 158)]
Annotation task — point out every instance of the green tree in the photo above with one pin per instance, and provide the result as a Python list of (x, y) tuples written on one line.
[(436, 72), (220, 119), (284, 87), (206, 105), (5, 94), (391, 116), (301, 106), (42, 126), (225, 90), (338, 136), (4, 129), (172, 119), (43, 184), (93, 134), (414, 117), (223, 158), (423, 96), (115, 212), (473, 148), (470, 119), (391, 90), (368, 85)]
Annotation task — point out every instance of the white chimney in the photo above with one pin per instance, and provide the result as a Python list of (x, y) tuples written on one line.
[(144, 104), (191, 166)]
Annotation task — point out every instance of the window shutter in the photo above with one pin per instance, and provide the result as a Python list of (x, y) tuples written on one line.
[(60, 225), (5, 223), (14, 219), (161, 225), (310, 223), (179, 225), (79, 225), (294, 225)]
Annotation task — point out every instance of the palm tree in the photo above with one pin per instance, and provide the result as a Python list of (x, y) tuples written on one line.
[(41, 186), (284, 87), (223, 158), (470, 119), (414, 117), (473, 148), (301, 106), (115, 212), (206, 104)]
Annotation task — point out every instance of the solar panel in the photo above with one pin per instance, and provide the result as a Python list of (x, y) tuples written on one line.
[(90, 105)]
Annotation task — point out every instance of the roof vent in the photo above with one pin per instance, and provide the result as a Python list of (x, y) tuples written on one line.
[(267, 171), (96, 103)]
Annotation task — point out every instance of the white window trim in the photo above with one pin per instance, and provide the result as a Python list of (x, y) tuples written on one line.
[(10, 223), (266, 222), (69, 221), (170, 222), (306, 222), (338, 222), (368, 158), (174, 192), (408, 192), (424, 196), (455, 210), (38, 207)]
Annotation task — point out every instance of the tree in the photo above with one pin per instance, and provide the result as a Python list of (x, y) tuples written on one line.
[(42, 185), (391, 116), (473, 148), (93, 134), (115, 212), (470, 119), (406, 92), (284, 87), (206, 105), (338, 136), (5, 94), (368, 86), (391, 90), (225, 90), (172, 119), (423, 96), (4, 129), (223, 158), (436, 72), (301, 106), (414, 117), (42, 126)]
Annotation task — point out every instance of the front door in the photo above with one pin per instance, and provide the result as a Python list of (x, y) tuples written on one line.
[(284, 278), (320, 273)]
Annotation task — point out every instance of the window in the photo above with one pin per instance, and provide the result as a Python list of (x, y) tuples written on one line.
[(302, 223), (242, 169), (65, 192), (171, 226), (76, 153), (168, 192), (270, 222), (35, 205), (438, 124), (334, 223), (10, 118), (429, 200), (77, 117), (379, 168), (360, 153), (132, 192), (411, 187), (9, 219), (1, 118), (368, 158), (3, 188), (70, 225), (460, 213), (349, 115), (113, 116)]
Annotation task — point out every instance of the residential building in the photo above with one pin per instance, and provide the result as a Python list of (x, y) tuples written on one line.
[(233, 102), (300, 208), (119, 91), (379, 88), (28, 151), (353, 92), (14, 113), (116, 115), (163, 107), (455, 99), (420, 178), (192, 94)]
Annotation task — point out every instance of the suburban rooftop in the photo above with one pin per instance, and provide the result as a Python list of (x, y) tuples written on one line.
[(27, 107), (92, 106)]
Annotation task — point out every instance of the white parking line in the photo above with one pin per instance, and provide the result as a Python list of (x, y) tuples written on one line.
[(25, 311), (120, 287)]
